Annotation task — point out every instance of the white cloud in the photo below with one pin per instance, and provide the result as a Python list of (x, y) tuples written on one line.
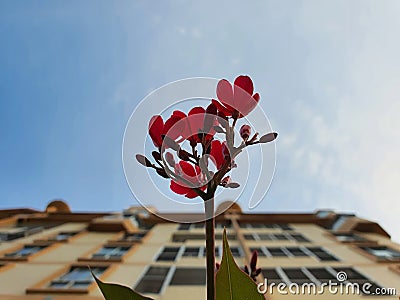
[(354, 143)]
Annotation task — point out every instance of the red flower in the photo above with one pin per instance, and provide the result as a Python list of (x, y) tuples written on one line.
[(198, 121), (238, 101), (216, 153), (190, 174), (157, 128)]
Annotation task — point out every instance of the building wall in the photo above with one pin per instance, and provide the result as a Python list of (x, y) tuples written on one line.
[(18, 277)]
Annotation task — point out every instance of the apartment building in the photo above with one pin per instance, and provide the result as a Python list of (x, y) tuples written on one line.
[(46, 254)]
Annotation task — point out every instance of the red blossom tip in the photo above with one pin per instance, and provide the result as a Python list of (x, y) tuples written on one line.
[(156, 126)]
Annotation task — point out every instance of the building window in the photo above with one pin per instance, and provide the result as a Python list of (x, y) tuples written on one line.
[(276, 237), (175, 253), (133, 237), (298, 238), (272, 275), (259, 250), (63, 236), (249, 237), (157, 277), (382, 252), (182, 238), (296, 251), (110, 252), (323, 275), (18, 232), (153, 280), (76, 278), (168, 254), (349, 238), (315, 252), (322, 254), (189, 226), (24, 252), (276, 252), (285, 251), (185, 226), (245, 225), (236, 251), (296, 275), (193, 252), (189, 276)]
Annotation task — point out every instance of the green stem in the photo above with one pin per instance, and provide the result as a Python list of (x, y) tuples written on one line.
[(210, 247)]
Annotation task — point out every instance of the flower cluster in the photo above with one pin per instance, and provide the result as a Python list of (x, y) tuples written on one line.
[(202, 166)]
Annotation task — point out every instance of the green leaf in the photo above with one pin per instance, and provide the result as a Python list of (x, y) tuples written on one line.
[(231, 282), (112, 291)]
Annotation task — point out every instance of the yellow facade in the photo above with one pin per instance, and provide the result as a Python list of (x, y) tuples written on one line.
[(302, 245)]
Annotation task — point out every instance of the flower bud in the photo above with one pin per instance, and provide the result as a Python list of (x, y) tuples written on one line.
[(143, 160), (245, 132), (226, 180), (246, 270), (209, 117), (253, 261), (170, 159)]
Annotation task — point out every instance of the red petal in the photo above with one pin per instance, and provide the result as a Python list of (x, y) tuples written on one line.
[(179, 114), (196, 110), (197, 170), (156, 126), (248, 104), (245, 83), (225, 92), (172, 129), (221, 108), (216, 153), (191, 194), (187, 168), (177, 188), (256, 97), (195, 119)]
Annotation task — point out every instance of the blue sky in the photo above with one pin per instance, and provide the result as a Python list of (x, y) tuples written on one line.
[(71, 73)]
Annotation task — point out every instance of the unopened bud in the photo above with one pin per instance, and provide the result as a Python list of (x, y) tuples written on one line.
[(253, 261), (245, 132), (226, 180), (143, 160), (169, 158)]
